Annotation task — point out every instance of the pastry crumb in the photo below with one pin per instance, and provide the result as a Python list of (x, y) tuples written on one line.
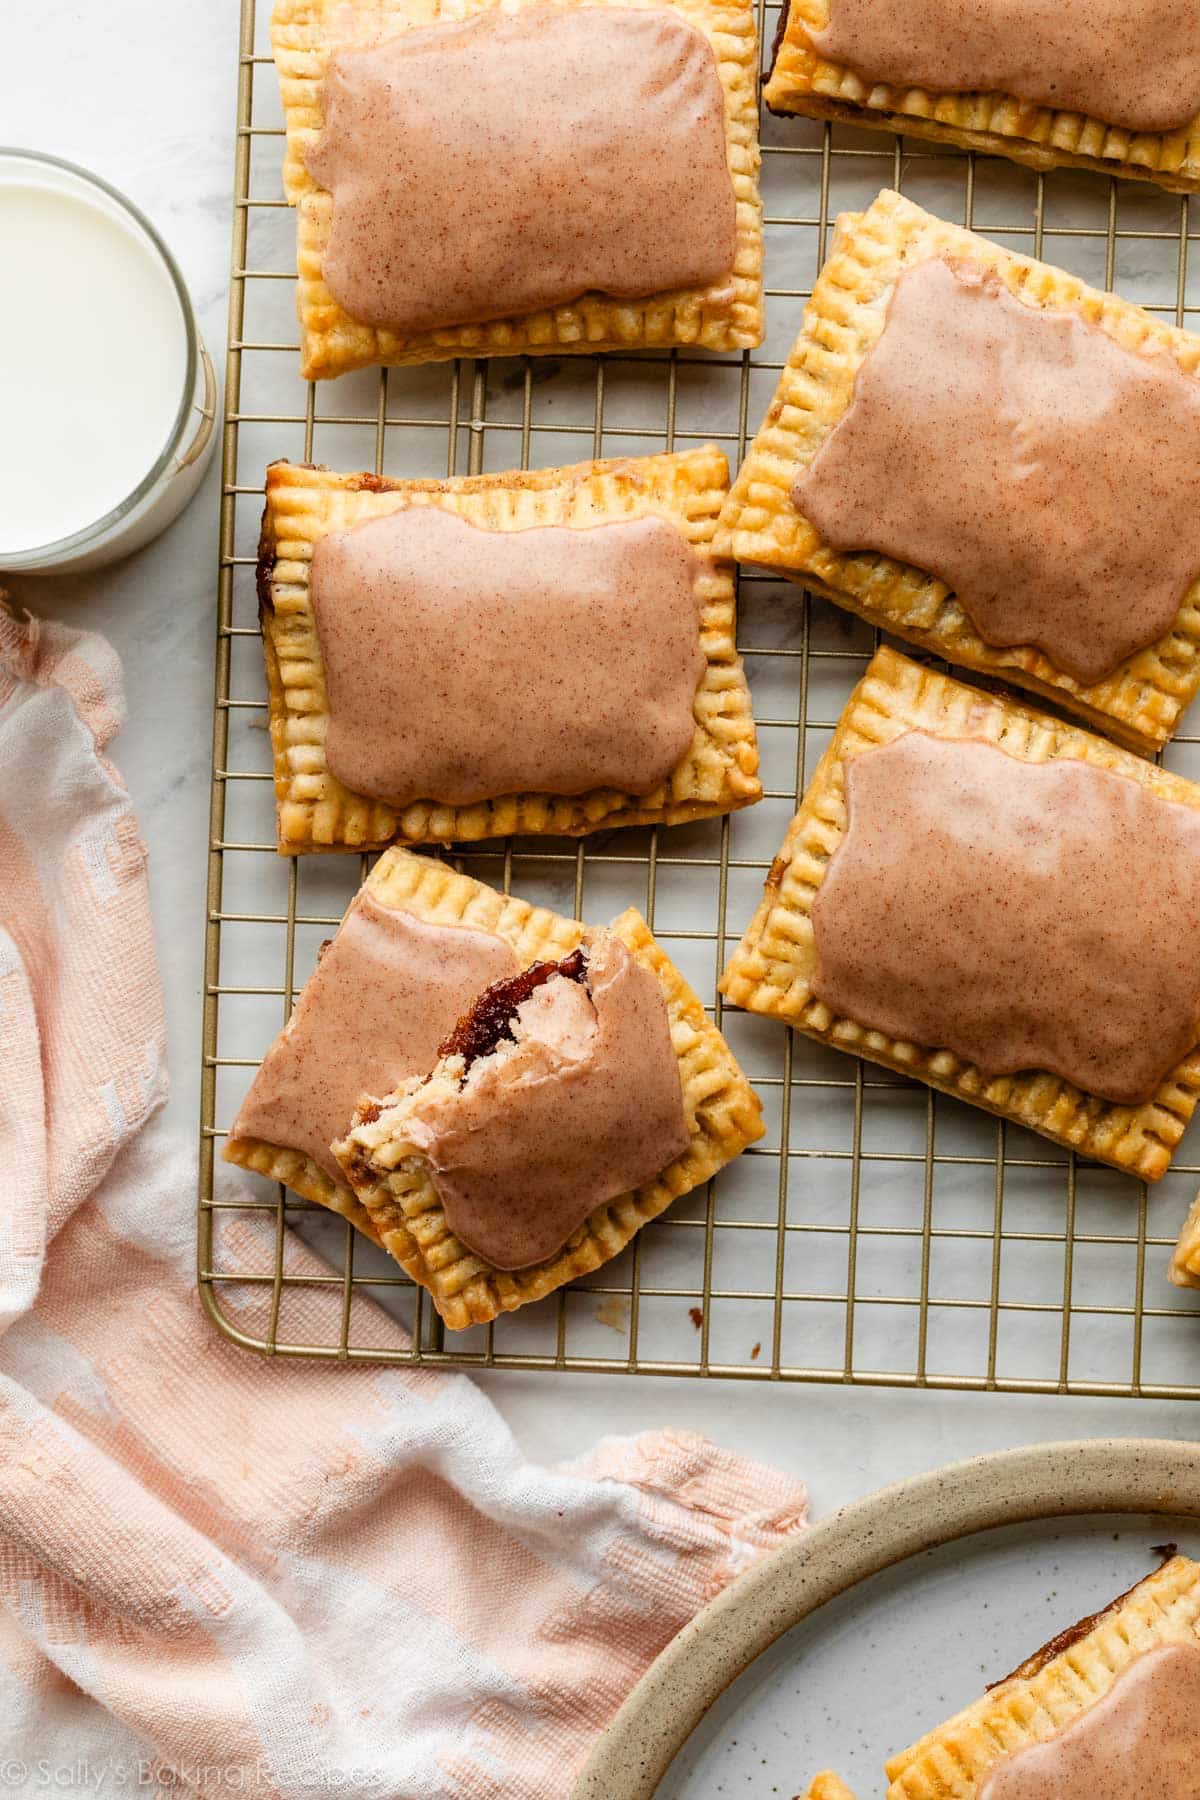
[(613, 1311)]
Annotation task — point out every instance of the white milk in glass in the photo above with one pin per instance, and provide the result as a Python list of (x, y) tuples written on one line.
[(97, 366)]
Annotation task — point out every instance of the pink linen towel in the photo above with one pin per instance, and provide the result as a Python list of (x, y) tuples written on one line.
[(220, 1574)]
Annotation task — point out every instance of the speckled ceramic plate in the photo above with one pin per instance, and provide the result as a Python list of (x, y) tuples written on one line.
[(766, 1685)]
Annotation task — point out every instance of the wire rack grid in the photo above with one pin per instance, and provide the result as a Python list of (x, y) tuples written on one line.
[(879, 1233)]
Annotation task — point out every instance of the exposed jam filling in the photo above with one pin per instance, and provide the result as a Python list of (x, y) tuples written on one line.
[(1046, 473), (491, 1018), (571, 1097), (1134, 63), (517, 161), (1141, 1739), (463, 664), (1023, 915), (384, 993)]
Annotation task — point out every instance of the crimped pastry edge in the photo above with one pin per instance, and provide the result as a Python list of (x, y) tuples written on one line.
[(1143, 701), (724, 1114), (803, 82), (1027, 1708), (768, 972), (726, 316), (315, 812)]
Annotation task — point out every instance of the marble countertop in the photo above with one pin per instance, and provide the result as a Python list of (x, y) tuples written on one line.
[(144, 94)]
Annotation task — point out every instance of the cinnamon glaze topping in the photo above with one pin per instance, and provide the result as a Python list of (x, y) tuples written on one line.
[(383, 995), (1023, 915), (1046, 473), (519, 160), (462, 664), (1141, 1741), (578, 1102), (1129, 62)]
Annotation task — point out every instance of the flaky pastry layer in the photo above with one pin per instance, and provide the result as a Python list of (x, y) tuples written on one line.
[(802, 81), (771, 970), (1058, 1684), (723, 1116), (1142, 702), (727, 315), (439, 896), (314, 811)]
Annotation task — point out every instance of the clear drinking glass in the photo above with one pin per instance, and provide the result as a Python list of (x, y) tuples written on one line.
[(174, 466)]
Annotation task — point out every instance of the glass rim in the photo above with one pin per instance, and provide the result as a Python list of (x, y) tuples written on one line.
[(58, 549)]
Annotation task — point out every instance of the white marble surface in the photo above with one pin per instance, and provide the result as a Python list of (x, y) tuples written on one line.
[(143, 91)]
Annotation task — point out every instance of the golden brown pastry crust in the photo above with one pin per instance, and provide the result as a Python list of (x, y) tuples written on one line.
[(771, 969), (725, 316), (1142, 702), (826, 1786), (435, 893), (297, 1170), (1185, 1261), (315, 812), (1048, 1692), (723, 1114), (801, 81)]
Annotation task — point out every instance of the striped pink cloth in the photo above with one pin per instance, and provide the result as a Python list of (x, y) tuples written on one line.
[(220, 1574)]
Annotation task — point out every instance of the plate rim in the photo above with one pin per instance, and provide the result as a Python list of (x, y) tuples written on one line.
[(1072, 1477)]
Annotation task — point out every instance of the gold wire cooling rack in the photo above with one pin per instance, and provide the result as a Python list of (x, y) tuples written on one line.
[(880, 1232)]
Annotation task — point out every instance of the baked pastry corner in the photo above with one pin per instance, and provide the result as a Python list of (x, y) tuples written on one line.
[(1185, 1259), (826, 1786)]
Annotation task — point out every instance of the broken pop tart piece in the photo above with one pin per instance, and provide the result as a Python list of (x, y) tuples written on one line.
[(570, 1106)]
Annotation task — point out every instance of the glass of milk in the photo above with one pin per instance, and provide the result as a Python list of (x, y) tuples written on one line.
[(107, 395)]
